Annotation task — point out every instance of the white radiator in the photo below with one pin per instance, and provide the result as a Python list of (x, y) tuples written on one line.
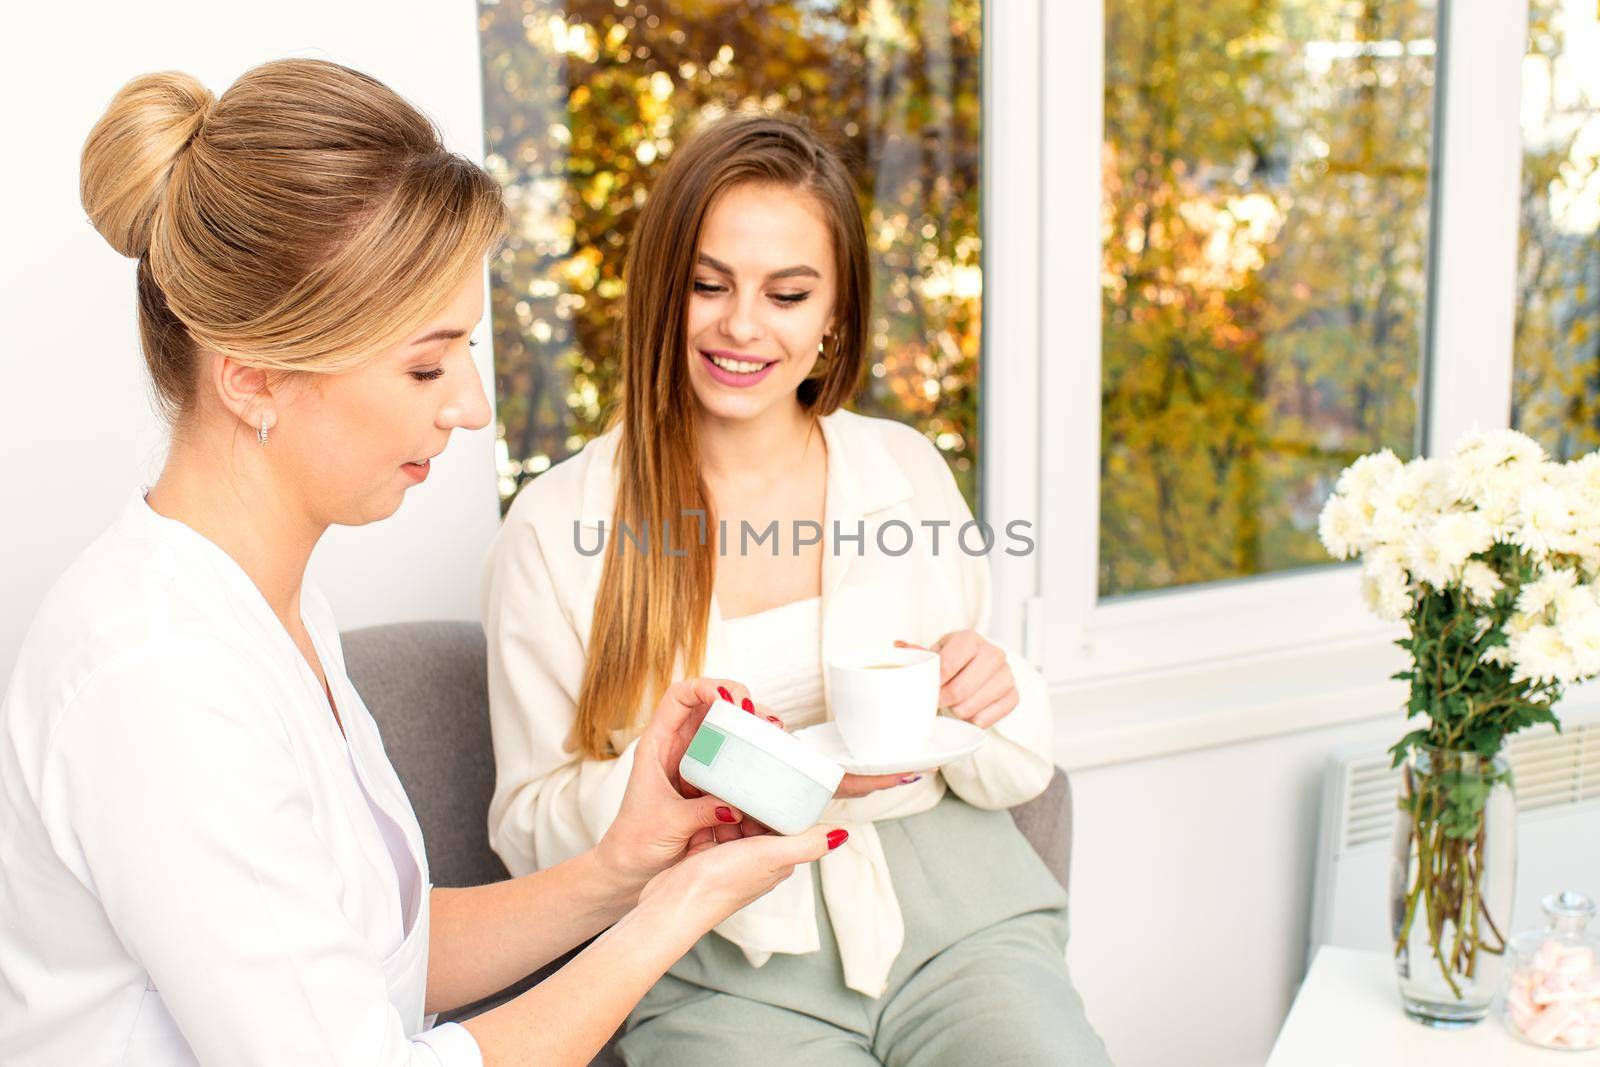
[(1557, 780)]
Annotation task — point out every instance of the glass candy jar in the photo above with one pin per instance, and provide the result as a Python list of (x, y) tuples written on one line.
[(1552, 992)]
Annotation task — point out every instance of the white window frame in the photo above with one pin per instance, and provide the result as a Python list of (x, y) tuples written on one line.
[(1043, 130), (1009, 453)]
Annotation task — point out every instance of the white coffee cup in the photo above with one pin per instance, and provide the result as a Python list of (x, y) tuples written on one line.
[(884, 703)]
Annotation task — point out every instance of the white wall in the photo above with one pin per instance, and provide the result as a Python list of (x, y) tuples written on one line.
[(77, 433), (1191, 894)]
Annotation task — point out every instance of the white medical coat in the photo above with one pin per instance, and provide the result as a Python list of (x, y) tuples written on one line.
[(195, 865)]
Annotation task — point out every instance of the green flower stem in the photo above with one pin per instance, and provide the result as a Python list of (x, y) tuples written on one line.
[(1413, 891), (1447, 880), (1470, 698)]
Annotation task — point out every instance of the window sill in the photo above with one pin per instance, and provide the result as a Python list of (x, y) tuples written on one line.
[(1178, 711)]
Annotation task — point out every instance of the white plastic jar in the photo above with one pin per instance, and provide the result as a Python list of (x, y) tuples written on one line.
[(770, 775)]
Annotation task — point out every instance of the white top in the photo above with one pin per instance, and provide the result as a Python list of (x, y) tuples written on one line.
[(1349, 1012), (539, 592), (778, 653), (195, 865)]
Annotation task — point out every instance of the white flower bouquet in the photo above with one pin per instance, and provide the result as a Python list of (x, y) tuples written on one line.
[(1492, 558), (1498, 544)]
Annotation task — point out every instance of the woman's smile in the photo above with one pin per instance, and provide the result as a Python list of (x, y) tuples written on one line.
[(735, 368)]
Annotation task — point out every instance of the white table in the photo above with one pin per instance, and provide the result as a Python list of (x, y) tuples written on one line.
[(1348, 1013)]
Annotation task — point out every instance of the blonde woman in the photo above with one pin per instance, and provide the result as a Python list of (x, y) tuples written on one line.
[(205, 855), (935, 935)]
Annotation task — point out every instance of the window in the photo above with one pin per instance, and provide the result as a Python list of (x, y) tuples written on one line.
[(585, 99), (1556, 395), (1264, 284), (1239, 273)]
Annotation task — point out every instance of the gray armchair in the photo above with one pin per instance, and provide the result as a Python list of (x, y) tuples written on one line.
[(425, 684)]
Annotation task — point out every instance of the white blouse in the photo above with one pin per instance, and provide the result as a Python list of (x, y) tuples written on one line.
[(778, 653), (196, 866), (540, 586)]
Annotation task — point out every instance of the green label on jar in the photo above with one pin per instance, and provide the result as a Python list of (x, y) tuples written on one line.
[(706, 744)]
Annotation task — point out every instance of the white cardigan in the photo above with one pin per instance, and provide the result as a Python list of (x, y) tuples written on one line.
[(195, 866), (539, 598)]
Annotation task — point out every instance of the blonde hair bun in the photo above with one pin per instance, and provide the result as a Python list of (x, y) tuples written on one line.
[(306, 220), (130, 154)]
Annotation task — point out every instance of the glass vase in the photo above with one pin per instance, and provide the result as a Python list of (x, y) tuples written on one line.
[(1451, 881)]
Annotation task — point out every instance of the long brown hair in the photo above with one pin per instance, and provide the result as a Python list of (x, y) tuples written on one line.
[(651, 611), (306, 221)]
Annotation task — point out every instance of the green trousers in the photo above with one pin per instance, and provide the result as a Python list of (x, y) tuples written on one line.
[(981, 980)]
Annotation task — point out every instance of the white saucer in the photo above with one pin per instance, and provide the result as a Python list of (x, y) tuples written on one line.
[(950, 740)]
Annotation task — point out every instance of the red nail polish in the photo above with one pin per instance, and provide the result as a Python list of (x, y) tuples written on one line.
[(748, 705), (910, 778), (837, 838), (724, 694), (774, 720), (725, 815)]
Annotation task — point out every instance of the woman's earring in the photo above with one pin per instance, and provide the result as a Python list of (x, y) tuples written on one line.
[(261, 434), (820, 368)]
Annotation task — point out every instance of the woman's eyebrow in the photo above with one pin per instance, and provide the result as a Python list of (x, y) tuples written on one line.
[(801, 271), (439, 335)]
